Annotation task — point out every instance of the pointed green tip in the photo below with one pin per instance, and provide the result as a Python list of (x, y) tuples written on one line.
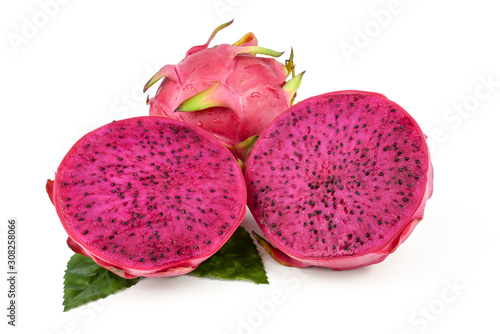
[(203, 100), (293, 85), (289, 65), (255, 49), (242, 165), (263, 242), (198, 48), (242, 150), (219, 28), (151, 82), (167, 71), (248, 37)]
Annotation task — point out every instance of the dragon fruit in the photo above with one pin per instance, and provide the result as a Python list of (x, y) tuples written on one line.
[(340, 180), (226, 90), (148, 196)]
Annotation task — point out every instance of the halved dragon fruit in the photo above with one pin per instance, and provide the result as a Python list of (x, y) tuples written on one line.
[(148, 196), (226, 90), (339, 180)]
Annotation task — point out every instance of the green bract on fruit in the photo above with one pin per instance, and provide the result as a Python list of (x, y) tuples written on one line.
[(339, 180), (226, 90), (148, 196)]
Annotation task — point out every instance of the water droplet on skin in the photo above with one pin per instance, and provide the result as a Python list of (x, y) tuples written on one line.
[(217, 120)]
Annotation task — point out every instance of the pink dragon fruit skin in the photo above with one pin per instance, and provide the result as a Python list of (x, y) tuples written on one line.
[(225, 89), (148, 196), (339, 180)]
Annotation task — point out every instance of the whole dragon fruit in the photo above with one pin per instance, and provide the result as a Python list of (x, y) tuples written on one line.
[(226, 90), (148, 196), (340, 180)]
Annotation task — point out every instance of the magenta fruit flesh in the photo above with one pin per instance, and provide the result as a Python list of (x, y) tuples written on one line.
[(339, 180), (148, 196)]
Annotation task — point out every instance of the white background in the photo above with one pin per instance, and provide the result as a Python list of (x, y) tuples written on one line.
[(83, 63)]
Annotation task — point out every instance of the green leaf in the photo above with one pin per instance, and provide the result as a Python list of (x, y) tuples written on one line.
[(85, 281), (238, 259)]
